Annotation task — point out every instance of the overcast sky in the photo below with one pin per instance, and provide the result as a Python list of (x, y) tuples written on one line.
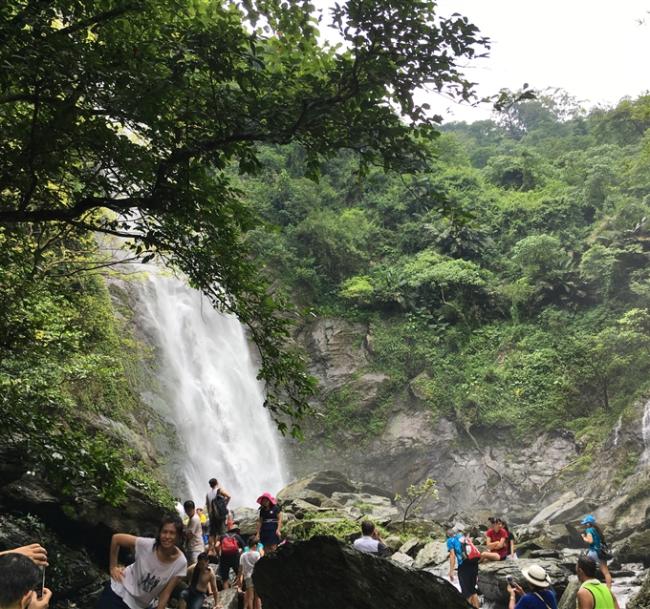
[(595, 49)]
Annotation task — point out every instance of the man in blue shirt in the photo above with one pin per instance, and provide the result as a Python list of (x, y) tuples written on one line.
[(540, 596)]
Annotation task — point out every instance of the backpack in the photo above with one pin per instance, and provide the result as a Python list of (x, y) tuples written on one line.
[(219, 506), (605, 553), (470, 551), (229, 545)]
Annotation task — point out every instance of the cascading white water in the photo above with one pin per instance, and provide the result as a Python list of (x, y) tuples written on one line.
[(645, 431), (209, 391)]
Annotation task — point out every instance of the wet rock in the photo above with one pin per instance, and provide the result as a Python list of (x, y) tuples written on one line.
[(636, 548), (568, 599), (433, 553), (322, 573), (566, 508), (492, 576), (411, 547), (543, 554), (393, 542), (402, 559), (642, 598), (377, 508), (336, 349), (229, 598), (322, 483)]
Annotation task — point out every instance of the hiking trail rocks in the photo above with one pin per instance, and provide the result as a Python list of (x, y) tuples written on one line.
[(323, 573), (492, 576)]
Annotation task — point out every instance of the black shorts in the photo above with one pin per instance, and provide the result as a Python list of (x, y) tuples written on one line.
[(227, 562), (217, 527), (110, 600), (467, 577)]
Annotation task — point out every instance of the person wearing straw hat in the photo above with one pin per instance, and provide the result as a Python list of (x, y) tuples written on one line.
[(269, 523), (541, 596)]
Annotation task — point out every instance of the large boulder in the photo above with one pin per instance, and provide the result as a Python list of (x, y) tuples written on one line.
[(318, 485), (492, 576), (566, 508), (636, 548), (323, 573), (432, 554), (376, 507)]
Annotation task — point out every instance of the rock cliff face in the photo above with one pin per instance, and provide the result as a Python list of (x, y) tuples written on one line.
[(479, 471)]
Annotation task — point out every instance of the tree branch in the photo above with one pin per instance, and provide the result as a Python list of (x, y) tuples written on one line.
[(96, 19), (65, 214)]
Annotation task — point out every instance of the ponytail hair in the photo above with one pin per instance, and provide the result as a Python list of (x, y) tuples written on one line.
[(599, 530)]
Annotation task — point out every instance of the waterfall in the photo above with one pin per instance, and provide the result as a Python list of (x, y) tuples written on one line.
[(208, 390), (645, 431)]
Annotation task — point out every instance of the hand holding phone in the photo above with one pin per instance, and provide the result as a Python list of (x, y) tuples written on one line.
[(41, 602)]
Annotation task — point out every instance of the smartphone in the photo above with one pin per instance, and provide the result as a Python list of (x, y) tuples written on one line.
[(40, 594)]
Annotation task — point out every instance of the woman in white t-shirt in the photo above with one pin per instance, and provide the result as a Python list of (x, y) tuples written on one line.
[(158, 568)]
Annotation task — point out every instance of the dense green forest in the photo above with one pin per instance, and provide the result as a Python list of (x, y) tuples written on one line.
[(509, 283)]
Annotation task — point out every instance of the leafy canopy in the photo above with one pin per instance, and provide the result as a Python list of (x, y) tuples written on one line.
[(126, 117)]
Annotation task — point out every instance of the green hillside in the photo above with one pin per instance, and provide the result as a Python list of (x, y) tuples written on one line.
[(510, 280)]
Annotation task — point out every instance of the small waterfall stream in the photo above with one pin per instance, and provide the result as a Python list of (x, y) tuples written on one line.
[(209, 391), (645, 432)]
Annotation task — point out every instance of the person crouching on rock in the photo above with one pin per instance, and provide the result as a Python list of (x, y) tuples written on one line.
[(19, 578), (269, 523), (158, 568), (540, 596), (595, 537), (496, 540), (592, 593), (457, 545), (202, 583), (370, 542)]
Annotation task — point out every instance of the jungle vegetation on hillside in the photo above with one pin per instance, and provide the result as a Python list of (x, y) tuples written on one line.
[(509, 283)]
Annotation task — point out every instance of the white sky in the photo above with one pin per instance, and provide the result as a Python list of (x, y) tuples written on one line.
[(595, 49)]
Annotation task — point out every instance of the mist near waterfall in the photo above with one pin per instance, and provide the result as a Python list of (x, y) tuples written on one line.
[(208, 390)]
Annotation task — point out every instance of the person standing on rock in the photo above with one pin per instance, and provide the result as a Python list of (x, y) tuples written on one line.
[(230, 547), (592, 594), (19, 580), (370, 542), (216, 502), (496, 540), (247, 565), (158, 568), (193, 532), (269, 523), (467, 568), (595, 537), (540, 596)]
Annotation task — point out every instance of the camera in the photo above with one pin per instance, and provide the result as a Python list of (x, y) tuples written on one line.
[(510, 580)]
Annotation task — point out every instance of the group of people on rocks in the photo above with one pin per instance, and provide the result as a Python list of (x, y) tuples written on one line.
[(178, 562), (465, 557), (535, 591), (161, 569)]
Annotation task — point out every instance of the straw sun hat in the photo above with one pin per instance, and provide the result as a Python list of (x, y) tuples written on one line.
[(537, 576)]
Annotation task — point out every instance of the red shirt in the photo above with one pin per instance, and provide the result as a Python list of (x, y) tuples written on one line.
[(493, 535)]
